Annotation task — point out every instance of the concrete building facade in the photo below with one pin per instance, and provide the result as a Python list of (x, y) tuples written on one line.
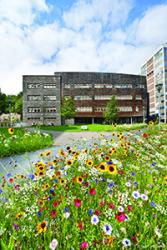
[(90, 90), (155, 70)]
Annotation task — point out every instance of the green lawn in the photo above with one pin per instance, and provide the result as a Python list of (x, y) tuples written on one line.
[(95, 127), (22, 141)]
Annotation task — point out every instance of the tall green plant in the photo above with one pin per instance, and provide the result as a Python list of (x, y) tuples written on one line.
[(111, 113), (68, 108)]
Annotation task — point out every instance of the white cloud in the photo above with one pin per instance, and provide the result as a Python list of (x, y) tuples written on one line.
[(21, 11), (93, 38), (107, 12)]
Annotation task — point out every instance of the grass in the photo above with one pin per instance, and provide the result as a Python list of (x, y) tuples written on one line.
[(22, 141), (95, 127), (100, 194)]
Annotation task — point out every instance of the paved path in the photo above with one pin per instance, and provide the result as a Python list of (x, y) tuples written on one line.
[(68, 138)]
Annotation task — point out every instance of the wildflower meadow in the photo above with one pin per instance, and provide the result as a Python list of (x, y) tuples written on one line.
[(101, 193)]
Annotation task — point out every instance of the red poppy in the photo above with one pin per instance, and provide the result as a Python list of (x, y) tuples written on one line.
[(55, 203), (77, 202), (129, 208), (92, 191), (53, 213), (97, 212), (134, 239), (111, 205), (120, 216), (81, 225), (11, 180), (145, 135), (121, 172)]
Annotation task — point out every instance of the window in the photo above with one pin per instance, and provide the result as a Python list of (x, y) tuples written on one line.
[(137, 109), (49, 98), (34, 98), (84, 109), (123, 86), (98, 86), (103, 97), (33, 85), (125, 109), (99, 109), (138, 97), (49, 86), (67, 86), (84, 97), (34, 110), (50, 110), (140, 86), (83, 86), (123, 97)]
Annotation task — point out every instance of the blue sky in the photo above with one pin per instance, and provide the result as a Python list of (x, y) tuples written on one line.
[(44, 36)]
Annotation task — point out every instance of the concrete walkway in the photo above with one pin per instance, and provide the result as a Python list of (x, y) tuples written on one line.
[(68, 138)]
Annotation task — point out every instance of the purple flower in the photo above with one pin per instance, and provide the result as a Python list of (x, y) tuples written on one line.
[(135, 194), (152, 203), (16, 227)]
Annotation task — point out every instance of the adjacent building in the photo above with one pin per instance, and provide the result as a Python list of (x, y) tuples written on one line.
[(91, 91), (155, 70)]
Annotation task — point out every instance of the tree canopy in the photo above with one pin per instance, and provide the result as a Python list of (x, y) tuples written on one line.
[(68, 108), (111, 113)]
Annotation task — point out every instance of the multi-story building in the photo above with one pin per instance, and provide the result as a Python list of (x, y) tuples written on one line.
[(155, 70), (91, 91)]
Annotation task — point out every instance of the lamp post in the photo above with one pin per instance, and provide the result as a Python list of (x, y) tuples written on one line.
[(159, 87)]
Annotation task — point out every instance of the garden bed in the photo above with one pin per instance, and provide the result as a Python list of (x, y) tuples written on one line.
[(17, 141), (101, 194)]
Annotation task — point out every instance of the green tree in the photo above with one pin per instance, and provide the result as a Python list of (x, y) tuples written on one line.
[(111, 113), (2, 103), (68, 108)]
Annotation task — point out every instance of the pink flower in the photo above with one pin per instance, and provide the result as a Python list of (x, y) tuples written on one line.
[(129, 208), (97, 212), (77, 202), (53, 244), (92, 191), (102, 203), (111, 205), (84, 245), (53, 213), (120, 216)]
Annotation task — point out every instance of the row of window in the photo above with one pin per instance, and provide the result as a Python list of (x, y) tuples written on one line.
[(82, 109), (79, 98), (82, 86), (39, 110), (87, 86), (38, 85), (102, 109), (39, 98), (106, 97)]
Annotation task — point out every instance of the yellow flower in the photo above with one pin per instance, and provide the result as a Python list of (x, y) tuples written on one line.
[(69, 162), (165, 179), (45, 186), (111, 169), (109, 240), (112, 151), (107, 158), (102, 167), (61, 181), (49, 152), (11, 131), (41, 203), (42, 227), (19, 215), (40, 173), (79, 179), (89, 163)]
